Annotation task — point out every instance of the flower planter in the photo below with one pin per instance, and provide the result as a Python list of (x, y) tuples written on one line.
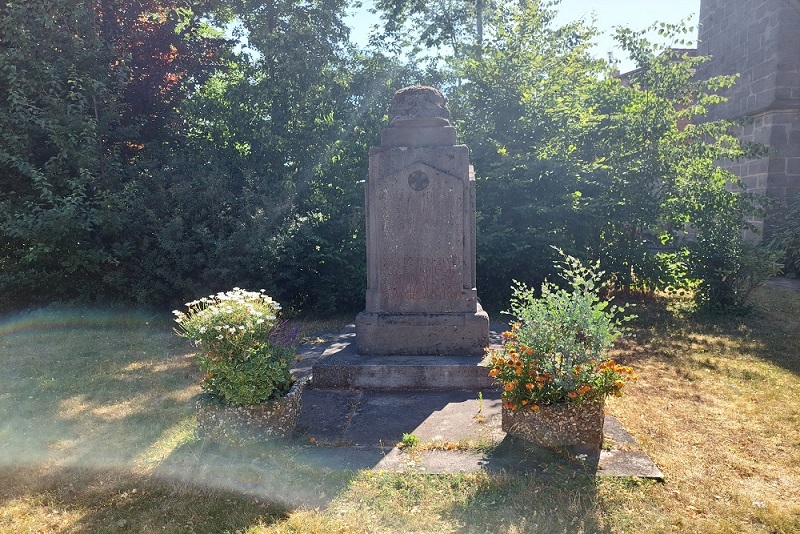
[(244, 425), (575, 427)]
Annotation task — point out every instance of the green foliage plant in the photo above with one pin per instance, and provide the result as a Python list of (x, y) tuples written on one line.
[(556, 351), (409, 441), (246, 355), (787, 238), (740, 268)]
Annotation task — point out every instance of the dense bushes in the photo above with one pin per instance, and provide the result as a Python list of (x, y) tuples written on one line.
[(144, 158)]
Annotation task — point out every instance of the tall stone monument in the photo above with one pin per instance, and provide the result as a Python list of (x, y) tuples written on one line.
[(420, 204)]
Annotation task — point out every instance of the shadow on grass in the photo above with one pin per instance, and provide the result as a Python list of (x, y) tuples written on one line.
[(92, 388), (531, 504), (113, 500), (766, 330), (275, 470), (532, 489)]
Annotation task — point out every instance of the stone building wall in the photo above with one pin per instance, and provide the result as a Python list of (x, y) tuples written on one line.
[(759, 40)]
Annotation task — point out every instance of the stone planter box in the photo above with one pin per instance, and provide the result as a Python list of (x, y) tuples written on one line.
[(577, 428), (245, 425)]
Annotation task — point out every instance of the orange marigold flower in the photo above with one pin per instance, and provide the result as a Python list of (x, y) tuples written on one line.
[(534, 407), (524, 402), (619, 383), (519, 371), (529, 385), (494, 372), (617, 393), (572, 395), (508, 334), (509, 386)]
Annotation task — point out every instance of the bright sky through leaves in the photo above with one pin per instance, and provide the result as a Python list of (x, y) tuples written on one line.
[(637, 14)]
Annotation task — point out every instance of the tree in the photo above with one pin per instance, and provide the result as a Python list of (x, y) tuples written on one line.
[(62, 172), (521, 108), (88, 85), (567, 155)]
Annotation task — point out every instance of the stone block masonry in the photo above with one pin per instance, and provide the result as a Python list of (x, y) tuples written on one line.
[(760, 41)]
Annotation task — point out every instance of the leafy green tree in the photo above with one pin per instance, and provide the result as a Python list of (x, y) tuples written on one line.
[(60, 156), (671, 194), (624, 171), (521, 108), (90, 86), (265, 139)]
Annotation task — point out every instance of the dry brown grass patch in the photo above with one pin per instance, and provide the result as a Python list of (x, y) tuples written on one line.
[(95, 407), (717, 405)]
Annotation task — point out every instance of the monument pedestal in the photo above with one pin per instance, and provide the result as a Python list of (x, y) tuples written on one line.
[(437, 334), (341, 367)]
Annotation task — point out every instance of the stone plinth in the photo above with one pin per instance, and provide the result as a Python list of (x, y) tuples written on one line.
[(340, 367), (420, 202)]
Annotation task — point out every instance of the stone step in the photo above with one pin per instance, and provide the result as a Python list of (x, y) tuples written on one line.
[(340, 367)]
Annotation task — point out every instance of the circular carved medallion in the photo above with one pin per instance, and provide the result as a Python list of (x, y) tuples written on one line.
[(418, 180)]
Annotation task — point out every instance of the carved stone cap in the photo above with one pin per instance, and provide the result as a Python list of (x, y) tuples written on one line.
[(418, 106)]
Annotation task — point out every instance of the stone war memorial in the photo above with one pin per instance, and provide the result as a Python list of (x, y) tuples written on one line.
[(421, 299), (420, 199)]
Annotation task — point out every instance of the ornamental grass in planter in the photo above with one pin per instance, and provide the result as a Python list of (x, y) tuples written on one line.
[(553, 367), (246, 354)]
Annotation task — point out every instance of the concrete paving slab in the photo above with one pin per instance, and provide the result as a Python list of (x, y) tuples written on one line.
[(459, 430), (628, 463)]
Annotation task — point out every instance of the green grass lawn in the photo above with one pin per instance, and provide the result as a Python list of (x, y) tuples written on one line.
[(97, 435)]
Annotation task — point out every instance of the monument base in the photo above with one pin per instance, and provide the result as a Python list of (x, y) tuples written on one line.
[(340, 367), (426, 334)]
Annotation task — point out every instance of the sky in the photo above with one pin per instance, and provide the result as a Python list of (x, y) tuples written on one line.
[(636, 14)]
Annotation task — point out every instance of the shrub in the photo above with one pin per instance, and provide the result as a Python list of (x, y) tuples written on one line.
[(246, 351), (729, 273), (787, 238), (556, 350)]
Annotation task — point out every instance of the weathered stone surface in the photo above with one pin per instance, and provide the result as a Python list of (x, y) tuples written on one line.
[(340, 367), (565, 425), (243, 425), (760, 41), (441, 334), (420, 198), (418, 105), (357, 429), (418, 137)]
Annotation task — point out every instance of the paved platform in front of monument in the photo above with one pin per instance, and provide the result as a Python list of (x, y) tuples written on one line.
[(459, 431)]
